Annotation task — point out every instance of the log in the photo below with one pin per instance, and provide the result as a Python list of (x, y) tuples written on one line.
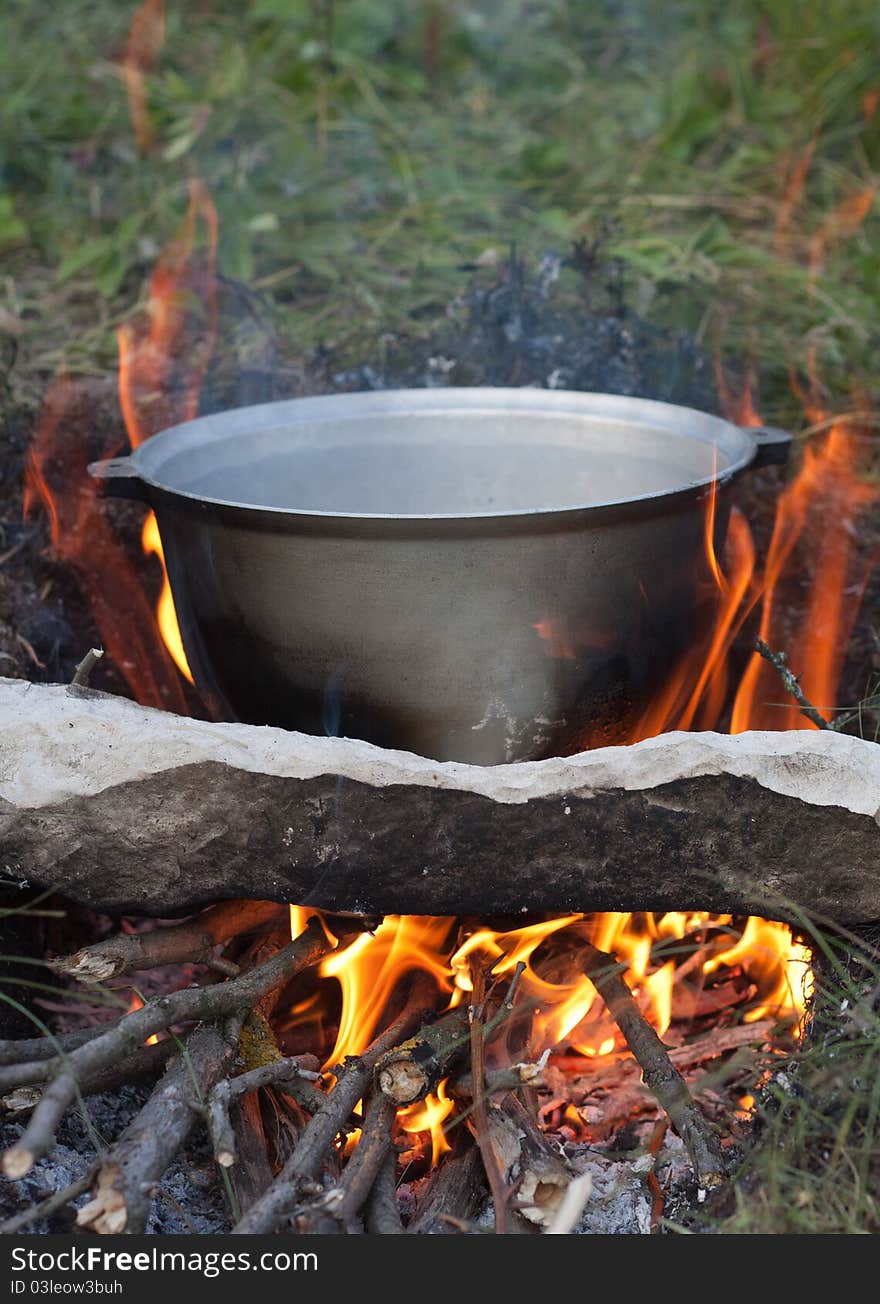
[(128, 809)]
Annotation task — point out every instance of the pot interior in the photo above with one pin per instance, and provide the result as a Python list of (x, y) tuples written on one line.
[(459, 459)]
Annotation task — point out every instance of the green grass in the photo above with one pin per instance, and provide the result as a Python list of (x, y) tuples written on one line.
[(815, 1165), (354, 175)]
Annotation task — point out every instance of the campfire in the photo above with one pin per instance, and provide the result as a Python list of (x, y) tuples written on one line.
[(573, 1047)]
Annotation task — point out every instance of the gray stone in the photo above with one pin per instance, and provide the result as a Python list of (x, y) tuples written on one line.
[(124, 808)]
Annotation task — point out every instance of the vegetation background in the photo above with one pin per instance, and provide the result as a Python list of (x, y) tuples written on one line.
[(362, 152)]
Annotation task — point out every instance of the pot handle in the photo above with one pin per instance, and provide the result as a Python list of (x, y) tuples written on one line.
[(120, 478), (773, 445)]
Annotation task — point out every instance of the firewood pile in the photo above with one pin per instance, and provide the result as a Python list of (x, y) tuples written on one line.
[(448, 1119)]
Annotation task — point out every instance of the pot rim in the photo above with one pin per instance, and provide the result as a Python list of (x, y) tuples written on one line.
[(739, 445)]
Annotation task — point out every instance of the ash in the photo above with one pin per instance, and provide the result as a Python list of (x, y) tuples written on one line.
[(189, 1197), (560, 322)]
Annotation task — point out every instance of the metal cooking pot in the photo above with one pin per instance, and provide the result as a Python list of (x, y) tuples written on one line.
[(481, 575)]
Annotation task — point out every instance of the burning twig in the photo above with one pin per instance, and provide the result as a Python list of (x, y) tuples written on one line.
[(141, 1155), (305, 1163), (497, 1081), (229, 1090), (659, 1073), (193, 942), (218, 1001), (792, 685), (493, 1169), (83, 671), (408, 1072)]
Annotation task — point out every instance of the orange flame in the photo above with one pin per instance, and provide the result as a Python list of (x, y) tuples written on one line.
[(563, 1005), (823, 503), (429, 1115), (164, 354), (695, 692), (163, 357), (137, 1004), (81, 537), (145, 40)]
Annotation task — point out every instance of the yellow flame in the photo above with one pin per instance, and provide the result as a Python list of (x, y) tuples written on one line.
[(137, 1004), (779, 966), (166, 616), (429, 1115)]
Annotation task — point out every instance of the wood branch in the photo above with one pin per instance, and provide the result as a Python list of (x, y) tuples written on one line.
[(660, 1075), (29, 1049), (212, 1003), (498, 1081), (529, 1162), (308, 1157), (456, 1189), (747, 824), (382, 1212), (491, 1165), (791, 683), (145, 1062), (251, 1173), (408, 1072), (193, 942), (121, 1197), (717, 1042), (83, 671), (373, 1148), (228, 1091)]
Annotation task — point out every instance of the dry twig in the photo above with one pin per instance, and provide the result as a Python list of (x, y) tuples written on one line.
[(193, 942), (309, 1154), (229, 1090), (660, 1075), (382, 1212), (132, 1166), (83, 671), (216, 1002)]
